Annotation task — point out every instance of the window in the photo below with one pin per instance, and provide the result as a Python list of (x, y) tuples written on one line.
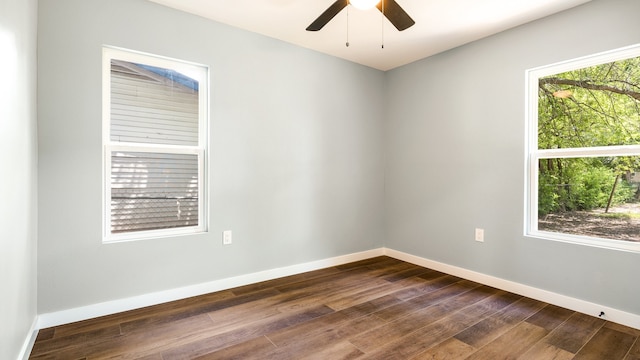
[(155, 114), (584, 150)]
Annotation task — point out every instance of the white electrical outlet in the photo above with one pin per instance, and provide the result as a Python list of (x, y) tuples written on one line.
[(227, 238), (480, 235)]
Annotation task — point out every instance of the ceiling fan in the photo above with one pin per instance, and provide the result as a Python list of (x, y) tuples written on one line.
[(390, 8)]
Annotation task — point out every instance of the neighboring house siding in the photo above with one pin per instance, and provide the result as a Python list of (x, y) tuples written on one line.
[(147, 108)]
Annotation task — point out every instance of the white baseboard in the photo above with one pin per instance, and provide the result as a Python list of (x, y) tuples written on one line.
[(582, 306), (116, 306), (112, 307), (27, 346)]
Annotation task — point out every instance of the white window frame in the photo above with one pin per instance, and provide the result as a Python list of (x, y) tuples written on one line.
[(533, 154), (195, 71)]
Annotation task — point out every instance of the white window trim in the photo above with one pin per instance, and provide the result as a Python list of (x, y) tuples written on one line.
[(532, 153), (195, 71)]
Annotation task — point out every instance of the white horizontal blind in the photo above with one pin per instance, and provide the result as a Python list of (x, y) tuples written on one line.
[(154, 149)]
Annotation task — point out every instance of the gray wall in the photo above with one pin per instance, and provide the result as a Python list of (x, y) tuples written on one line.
[(296, 154), (18, 164), (454, 141)]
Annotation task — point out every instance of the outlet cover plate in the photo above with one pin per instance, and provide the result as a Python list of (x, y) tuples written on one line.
[(227, 238)]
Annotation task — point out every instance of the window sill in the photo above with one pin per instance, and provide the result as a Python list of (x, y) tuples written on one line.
[(602, 243), (150, 235)]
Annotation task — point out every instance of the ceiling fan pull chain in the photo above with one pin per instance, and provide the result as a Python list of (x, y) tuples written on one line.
[(382, 22), (347, 43)]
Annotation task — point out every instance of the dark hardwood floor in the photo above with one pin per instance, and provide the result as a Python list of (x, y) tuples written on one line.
[(379, 308)]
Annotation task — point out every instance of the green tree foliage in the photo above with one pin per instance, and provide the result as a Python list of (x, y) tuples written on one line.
[(594, 106)]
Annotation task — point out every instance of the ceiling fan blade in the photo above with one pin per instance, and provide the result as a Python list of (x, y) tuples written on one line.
[(327, 15), (396, 15)]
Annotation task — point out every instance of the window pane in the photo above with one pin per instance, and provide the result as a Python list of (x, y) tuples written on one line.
[(153, 191), (152, 105), (596, 197), (593, 106)]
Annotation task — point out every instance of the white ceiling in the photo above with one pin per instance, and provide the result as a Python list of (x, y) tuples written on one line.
[(440, 24)]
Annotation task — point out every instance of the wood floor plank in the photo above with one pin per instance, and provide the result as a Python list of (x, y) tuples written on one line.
[(341, 297), (151, 357), (76, 341), (345, 301), (372, 306), (174, 307), (489, 329), (259, 309), (546, 351), (139, 344), (634, 352), (574, 333), (340, 351), (247, 350), (164, 318), (230, 319), (427, 286), (622, 328), (511, 344), (449, 349), (326, 325), (301, 346), (607, 344), (413, 271), (550, 317), (433, 309), (378, 261), (56, 356), (494, 303), (219, 341), (45, 334), (340, 291), (153, 340), (476, 306), (322, 283), (334, 351), (431, 295)]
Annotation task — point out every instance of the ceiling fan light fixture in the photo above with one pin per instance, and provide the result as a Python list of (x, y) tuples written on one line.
[(364, 4)]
